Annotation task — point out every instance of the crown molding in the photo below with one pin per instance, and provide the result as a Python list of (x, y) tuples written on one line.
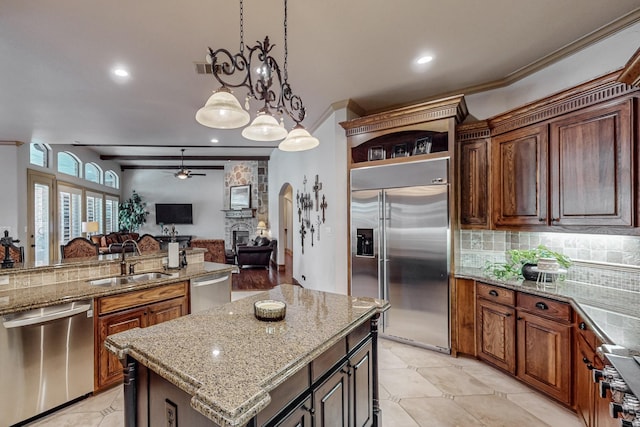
[(630, 74), (16, 143)]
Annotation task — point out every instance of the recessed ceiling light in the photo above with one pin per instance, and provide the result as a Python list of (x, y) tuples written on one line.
[(214, 140), (120, 72), (424, 59)]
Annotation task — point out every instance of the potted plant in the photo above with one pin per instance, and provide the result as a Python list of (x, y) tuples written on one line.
[(133, 213), (520, 263)]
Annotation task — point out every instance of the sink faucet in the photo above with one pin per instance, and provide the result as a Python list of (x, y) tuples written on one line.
[(123, 262)]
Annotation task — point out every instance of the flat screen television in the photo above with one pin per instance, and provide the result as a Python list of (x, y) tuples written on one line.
[(174, 213)]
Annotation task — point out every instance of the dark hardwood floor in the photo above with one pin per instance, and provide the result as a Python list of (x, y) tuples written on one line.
[(260, 278)]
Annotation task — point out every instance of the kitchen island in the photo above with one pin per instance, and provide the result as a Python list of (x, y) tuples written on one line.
[(223, 367)]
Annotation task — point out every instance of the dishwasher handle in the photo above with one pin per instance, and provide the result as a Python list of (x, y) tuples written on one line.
[(16, 323), (197, 284)]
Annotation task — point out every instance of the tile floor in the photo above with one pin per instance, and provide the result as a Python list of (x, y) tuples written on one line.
[(417, 388)]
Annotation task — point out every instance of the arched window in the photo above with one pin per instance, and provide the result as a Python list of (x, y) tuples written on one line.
[(111, 179), (93, 173), (39, 154), (68, 163)]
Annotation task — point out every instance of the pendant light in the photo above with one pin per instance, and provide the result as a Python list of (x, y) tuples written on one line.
[(264, 127), (299, 139), (222, 111)]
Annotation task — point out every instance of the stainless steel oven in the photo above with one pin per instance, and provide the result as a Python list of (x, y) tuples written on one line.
[(619, 382), (46, 359)]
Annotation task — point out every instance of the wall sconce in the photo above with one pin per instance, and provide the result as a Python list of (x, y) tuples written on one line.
[(90, 227)]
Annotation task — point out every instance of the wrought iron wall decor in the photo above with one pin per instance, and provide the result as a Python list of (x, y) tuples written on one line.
[(305, 204)]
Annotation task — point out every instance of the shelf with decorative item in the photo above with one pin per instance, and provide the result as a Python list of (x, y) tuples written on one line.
[(240, 213)]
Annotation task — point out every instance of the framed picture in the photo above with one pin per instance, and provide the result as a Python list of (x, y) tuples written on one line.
[(240, 197), (400, 150), (377, 153), (422, 146)]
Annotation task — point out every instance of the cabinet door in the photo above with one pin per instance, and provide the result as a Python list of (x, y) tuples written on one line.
[(109, 369), (544, 355), (591, 167), (331, 401), (166, 310), (496, 335), (300, 416), (519, 177), (361, 372), (474, 186), (585, 392)]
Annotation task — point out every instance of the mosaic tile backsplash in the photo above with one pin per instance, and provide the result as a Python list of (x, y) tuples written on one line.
[(603, 260)]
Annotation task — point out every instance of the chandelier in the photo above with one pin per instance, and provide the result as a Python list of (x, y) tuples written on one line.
[(255, 70)]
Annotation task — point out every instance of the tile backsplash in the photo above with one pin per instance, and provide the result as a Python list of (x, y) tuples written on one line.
[(604, 260)]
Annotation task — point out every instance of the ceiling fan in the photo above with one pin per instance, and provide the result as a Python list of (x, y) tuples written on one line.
[(184, 173)]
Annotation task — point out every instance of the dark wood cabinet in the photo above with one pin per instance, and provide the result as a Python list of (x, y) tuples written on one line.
[(463, 316), (591, 163), (331, 400), (137, 309), (519, 177), (544, 355), (361, 387), (474, 183), (300, 416), (496, 335)]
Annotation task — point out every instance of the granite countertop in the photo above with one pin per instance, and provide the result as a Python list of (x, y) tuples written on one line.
[(228, 361), (614, 314), (15, 300)]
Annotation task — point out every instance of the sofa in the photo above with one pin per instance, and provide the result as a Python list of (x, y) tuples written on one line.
[(256, 253), (112, 243)]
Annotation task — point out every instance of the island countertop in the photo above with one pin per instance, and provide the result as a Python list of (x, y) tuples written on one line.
[(229, 361)]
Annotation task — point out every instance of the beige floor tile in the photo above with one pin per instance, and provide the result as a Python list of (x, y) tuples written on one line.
[(495, 411), (420, 358), (438, 412), (383, 393), (454, 381), (388, 359), (394, 416), (75, 419), (115, 419), (496, 379), (545, 409), (118, 401), (407, 383), (98, 402)]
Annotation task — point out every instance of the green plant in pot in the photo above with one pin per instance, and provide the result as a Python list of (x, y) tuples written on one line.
[(520, 263), (132, 213)]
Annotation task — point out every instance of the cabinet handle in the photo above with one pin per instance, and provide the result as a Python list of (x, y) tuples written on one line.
[(519, 318), (507, 314), (542, 306), (555, 219), (493, 293), (542, 219), (310, 410), (582, 326), (585, 361), (346, 371)]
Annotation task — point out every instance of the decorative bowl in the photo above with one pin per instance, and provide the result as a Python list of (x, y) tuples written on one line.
[(269, 310)]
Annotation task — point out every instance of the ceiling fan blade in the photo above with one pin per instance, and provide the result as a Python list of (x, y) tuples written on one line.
[(197, 174)]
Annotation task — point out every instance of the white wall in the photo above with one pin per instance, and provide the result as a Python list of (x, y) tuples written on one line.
[(323, 265), (9, 179), (206, 193), (599, 59)]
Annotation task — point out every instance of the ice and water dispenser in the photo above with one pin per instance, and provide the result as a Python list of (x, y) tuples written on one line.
[(365, 242)]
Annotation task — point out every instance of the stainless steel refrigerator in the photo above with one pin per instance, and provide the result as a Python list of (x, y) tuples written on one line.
[(400, 247)]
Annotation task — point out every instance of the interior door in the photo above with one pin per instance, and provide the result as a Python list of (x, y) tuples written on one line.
[(416, 235), (41, 230)]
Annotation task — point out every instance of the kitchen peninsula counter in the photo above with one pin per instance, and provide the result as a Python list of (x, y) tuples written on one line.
[(227, 363)]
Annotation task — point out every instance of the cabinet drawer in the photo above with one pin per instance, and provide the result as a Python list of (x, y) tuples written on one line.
[(137, 298), (496, 294), (544, 307), (326, 360), (584, 330)]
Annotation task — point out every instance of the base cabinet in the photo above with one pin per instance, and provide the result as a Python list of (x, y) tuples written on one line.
[(299, 416), (331, 400), (137, 309), (496, 335)]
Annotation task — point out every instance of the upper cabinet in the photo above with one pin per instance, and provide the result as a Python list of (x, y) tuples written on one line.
[(406, 134), (473, 171), (565, 163)]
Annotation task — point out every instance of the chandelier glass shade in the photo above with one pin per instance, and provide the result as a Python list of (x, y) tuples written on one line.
[(222, 111), (256, 70), (299, 139)]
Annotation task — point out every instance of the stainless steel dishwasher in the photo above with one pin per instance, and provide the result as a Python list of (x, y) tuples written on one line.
[(46, 359), (209, 291)]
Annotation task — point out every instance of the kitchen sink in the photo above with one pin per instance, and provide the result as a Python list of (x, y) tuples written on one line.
[(124, 280)]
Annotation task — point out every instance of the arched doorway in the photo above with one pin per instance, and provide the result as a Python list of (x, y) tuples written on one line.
[(285, 214)]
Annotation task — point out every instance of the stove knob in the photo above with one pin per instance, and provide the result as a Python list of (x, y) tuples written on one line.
[(597, 375), (627, 423), (615, 409), (614, 385)]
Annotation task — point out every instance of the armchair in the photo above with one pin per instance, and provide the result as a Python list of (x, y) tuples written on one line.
[(258, 254)]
